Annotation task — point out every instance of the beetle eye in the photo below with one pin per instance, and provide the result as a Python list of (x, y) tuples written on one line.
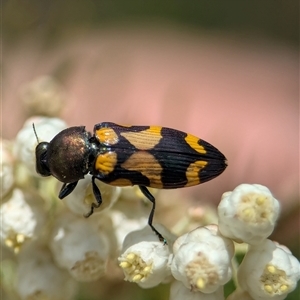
[(41, 161)]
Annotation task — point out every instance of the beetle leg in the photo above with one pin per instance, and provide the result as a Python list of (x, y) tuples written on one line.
[(98, 198), (67, 189), (149, 196)]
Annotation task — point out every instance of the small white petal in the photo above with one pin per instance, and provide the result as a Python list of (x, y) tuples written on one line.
[(268, 271), (145, 262), (6, 168), (39, 278), (202, 260), (25, 144), (22, 219), (146, 234), (180, 292), (123, 225), (79, 247), (82, 197), (248, 213)]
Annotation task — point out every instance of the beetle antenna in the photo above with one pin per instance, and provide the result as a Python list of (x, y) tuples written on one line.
[(35, 133)]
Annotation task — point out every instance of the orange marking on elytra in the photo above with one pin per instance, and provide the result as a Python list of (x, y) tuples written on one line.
[(146, 164), (144, 140), (194, 143), (106, 136), (105, 163), (192, 172), (121, 182)]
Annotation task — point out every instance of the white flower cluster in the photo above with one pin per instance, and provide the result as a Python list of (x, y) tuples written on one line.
[(268, 271), (54, 247)]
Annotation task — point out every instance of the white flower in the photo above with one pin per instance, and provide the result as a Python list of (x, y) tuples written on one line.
[(269, 271), (180, 292), (79, 247), (39, 278), (248, 213), (43, 96), (82, 197), (6, 168), (202, 259), (145, 259), (22, 218), (26, 142)]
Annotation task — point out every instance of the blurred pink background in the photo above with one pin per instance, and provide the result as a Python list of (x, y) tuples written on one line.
[(241, 96)]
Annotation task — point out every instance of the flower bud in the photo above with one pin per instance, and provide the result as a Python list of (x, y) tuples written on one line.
[(22, 219), (180, 292), (82, 197), (39, 278), (79, 247), (202, 260), (43, 96), (248, 213), (145, 259), (269, 271), (6, 168)]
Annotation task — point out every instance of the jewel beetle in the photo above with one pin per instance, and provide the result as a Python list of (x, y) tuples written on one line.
[(147, 156)]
